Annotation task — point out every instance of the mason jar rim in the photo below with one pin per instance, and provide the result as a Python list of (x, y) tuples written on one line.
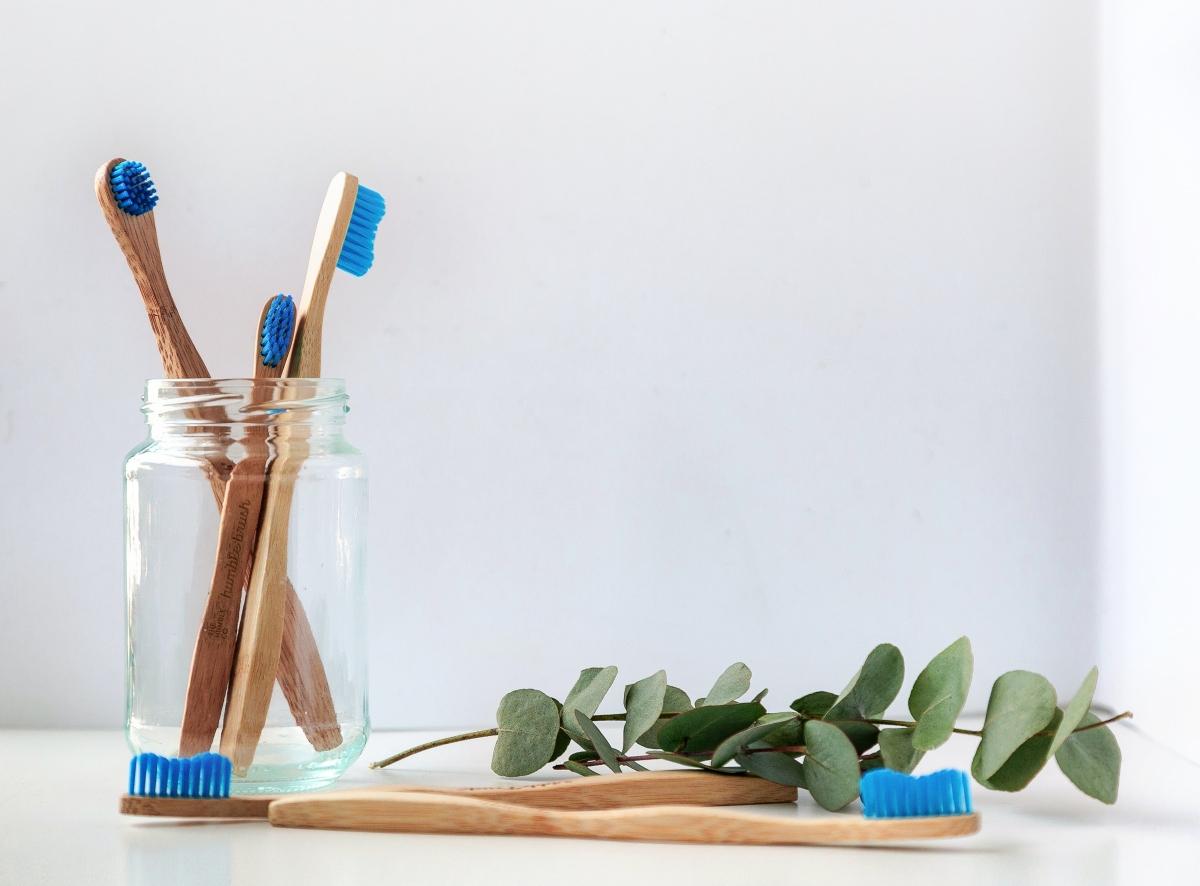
[(200, 402)]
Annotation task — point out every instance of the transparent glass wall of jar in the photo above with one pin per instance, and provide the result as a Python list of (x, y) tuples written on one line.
[(199, 431)]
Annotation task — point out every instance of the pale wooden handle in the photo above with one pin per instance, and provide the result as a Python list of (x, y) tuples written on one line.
[(444, 814), (261, 638), (599, 792), (633, 789)]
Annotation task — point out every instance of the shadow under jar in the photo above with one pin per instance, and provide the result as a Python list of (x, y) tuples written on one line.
[(288, 547)]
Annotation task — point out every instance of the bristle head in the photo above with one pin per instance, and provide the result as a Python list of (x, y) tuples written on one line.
[(132, 188), (275, 337), (889, 794), (205, 775), (358, 249)]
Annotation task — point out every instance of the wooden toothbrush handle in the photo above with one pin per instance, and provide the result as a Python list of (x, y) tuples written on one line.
[(662, 788), (301, 673), (614, 791), (446, 814), (260, 641), (212, 657)]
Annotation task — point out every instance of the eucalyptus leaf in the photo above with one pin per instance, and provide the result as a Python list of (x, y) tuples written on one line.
[(873, 688), (1022, 703), (691, 761), (1025, 762), (1092, 761), (896, 748), (773, 766), (733, 683), (634, 765), (643, 706), (728, 748), (578, 768), (939, 693), (816, 705), (527, 731), (831, 765), (702, 729), (675, 701), (596, 738), (1077, 708), (563, 740), (788, 732), (761, 695), (587, 693)]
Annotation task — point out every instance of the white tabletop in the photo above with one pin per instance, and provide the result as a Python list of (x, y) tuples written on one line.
[(58, 825)]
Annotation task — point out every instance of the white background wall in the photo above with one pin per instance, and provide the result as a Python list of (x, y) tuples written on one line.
[(699, 331), (1150, 309)]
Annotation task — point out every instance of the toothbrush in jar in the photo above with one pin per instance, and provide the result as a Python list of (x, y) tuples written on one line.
[(344, 239)]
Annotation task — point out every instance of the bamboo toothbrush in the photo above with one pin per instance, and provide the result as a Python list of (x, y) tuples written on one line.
[(212, 659), (127, 197), (897, 807), (155, 790), (344, 239)]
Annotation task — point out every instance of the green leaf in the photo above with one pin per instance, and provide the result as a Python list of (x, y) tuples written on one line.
[(1092, 760), (1077, 708), (634, 765), (587, 693), (702, 729), (578, 768), (674, 702), (527, 723), (596, 738), (816, 705), (831, 765), (788, 732), (896, 747), (727, 749), (562, 740), (643, 706), (1021, 704), (730, 686), (939, 693), (873, 688), (691, 761), (1024, 764), (773, 766), (761, 695)]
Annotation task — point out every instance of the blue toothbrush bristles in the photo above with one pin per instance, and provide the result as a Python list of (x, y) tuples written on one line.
[(132, 188), (889, 794), (276, 333), (205, 775), (358, 249)]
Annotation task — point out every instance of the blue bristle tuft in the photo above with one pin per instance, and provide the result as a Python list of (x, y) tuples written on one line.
[(889, 794), (132, 188), (358, 249), (205, 775), (276, 333)]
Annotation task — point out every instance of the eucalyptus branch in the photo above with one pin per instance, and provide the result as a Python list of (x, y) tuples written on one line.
[(833, 731)]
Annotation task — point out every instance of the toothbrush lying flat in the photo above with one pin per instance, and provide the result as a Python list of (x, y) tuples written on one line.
[(212, 659), (412, 813), (634, 806), (127, 197), (344, 237), (146, 790)]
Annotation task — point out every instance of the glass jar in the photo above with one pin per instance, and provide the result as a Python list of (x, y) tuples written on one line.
[(219, 594)]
